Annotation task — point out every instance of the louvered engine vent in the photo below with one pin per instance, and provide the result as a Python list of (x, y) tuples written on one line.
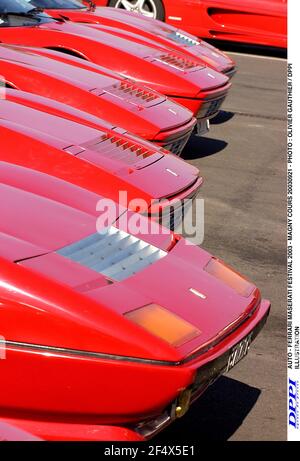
[(131, 89), (113, 253), (184, 39), (133, 93), (178, 62), (122, 149)]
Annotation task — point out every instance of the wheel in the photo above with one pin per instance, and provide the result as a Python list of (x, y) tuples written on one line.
[(151, 8)]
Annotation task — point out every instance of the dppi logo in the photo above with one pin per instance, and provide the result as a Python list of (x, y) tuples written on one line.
[(293, 404)]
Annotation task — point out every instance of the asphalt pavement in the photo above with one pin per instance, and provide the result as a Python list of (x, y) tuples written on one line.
[(243, 162)]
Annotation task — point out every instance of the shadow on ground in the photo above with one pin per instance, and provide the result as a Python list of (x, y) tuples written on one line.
[(216, 415), (223, 116), (200, 147)]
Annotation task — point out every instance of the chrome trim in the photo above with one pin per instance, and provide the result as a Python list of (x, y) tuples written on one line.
[(78, 352), (150, 428)]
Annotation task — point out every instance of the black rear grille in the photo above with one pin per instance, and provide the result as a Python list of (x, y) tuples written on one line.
[(230, 72), (214, 107), (177, 146), (210, 108), (172, 216)]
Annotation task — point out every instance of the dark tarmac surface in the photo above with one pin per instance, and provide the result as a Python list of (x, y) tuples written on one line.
[(243, 162)]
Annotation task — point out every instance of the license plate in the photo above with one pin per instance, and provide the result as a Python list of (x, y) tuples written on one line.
[(239, 351)]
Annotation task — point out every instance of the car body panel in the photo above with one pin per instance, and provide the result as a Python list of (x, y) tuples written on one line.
[(257, 22), (73, 331), (96, 91), (104, 161), (74, 225), (146, 31), (10, 431), (103, 403), (61, 256), (169, 73)]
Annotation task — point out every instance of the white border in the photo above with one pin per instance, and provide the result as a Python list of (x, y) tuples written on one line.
[(293, 78)]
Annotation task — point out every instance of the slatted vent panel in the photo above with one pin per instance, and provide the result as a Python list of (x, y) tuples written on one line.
[(113, 253), (134, 94), (184, 39), (178, 62), (121, 149)]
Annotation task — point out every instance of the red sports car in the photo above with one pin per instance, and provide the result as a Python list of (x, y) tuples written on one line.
[(53, 138), (99, 92), (109, 334), (258, 22), (140, 29), (171, 73)]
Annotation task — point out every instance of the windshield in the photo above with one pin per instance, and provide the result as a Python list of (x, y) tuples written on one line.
[(58, 4), (18, 13)]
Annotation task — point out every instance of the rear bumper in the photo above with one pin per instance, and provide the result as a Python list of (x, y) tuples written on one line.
[(208, 368), (172, 213), (22, 430), (175, 140), (209, 372), (207, 104)]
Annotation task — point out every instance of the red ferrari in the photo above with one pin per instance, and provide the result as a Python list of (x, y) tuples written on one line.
[(53, 138), (257, 22), (140, 29), (171, 73), (99, 92), (108, 334)]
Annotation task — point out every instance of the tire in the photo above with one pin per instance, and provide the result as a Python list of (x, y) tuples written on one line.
[(152, 5)]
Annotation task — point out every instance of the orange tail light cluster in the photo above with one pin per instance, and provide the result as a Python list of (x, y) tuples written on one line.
[(227, 275), (164, 324)]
